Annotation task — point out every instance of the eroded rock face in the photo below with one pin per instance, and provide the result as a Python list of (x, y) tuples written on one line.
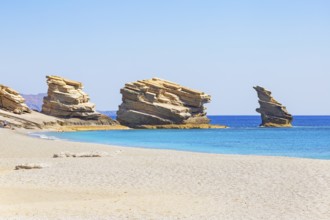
[(160, 102), (66, 99), (12, 101), (273, 113)]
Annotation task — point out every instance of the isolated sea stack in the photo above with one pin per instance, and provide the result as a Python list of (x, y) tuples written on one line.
[(12, 101), (66, 99), (273, 113), (157, 103)]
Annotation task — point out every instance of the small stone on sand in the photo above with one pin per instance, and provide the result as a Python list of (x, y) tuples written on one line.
[(83, 154), (29, 166)]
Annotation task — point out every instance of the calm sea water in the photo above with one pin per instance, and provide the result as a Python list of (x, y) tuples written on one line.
[(309, 138)]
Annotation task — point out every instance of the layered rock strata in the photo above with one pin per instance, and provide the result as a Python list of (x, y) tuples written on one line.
[(66, 99), (159, 102), (273, 113), (12, 101)]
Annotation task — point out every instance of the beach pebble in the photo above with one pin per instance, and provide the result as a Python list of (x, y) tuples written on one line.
[(83, 154), (28, 166)]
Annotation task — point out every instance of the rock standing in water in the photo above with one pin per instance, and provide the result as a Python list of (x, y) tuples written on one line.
[(12, 101), (160, 103), (273, 113), (66, 99)]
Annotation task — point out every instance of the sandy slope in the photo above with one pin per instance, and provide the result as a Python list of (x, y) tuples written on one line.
[(156, 184)]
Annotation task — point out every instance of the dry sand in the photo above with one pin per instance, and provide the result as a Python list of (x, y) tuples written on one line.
[(156, 184)]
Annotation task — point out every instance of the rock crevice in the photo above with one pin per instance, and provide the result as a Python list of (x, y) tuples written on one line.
[(273, 113)]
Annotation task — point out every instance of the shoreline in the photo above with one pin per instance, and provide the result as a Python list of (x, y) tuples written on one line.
[(153, 183), (174, 149), (30, 134)]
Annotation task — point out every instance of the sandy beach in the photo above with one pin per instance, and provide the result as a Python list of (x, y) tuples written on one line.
[(133, 183)]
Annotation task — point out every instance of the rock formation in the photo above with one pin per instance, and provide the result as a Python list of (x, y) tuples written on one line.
[(66, 99), (160, 102), (12, 101), (273, 113)]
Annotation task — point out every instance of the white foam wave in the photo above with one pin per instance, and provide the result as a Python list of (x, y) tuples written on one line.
[(43, 136)]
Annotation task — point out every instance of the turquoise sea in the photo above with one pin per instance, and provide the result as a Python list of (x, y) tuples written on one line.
[(309, 138)]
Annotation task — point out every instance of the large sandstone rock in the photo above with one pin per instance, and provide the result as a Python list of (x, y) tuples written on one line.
[(273, 113), (12, 101), (66, 99), (160, 102)]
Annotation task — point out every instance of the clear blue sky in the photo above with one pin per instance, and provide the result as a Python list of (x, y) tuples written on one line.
[(220, 47)]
